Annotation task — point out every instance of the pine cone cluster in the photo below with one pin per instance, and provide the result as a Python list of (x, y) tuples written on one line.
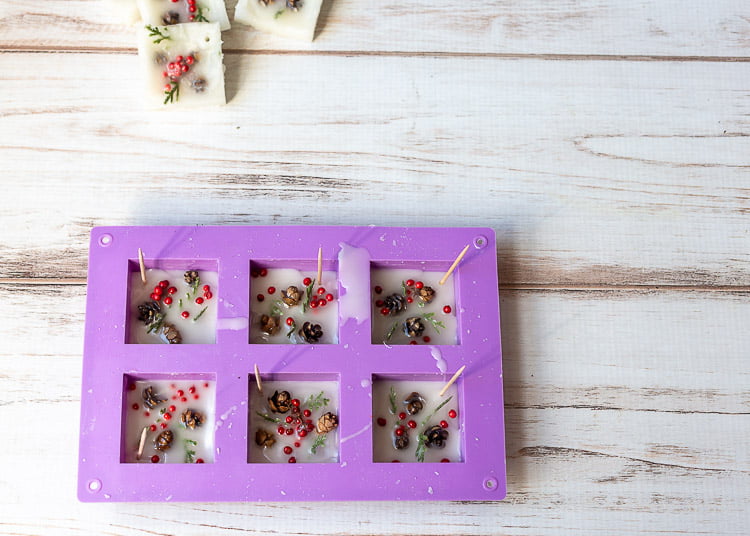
[(436, 437), (191, 277), (426, 294), (170, 17), (311, 332), (414, 403), (170, 335), (280, 402), (264, 438), (400, 442), (327, 422), (395, 303), (164, 440), (270, 324), (294, 5), (291, 296), (192, 419), (150, 398), (149, 312), (414, 326)]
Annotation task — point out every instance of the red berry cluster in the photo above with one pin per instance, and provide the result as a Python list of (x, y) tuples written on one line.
[(161, 291), (175, 70), (315, 301), (298, 422), (399, 429)]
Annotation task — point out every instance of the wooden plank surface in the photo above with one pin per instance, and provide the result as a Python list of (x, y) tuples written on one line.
[(593, 173), (605, 423), (587, 27)]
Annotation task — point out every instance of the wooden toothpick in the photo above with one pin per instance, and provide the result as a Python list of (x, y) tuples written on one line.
[(453, 266), (452, 380), (257, 378), (142, 265), (320, 266), (142, 443)]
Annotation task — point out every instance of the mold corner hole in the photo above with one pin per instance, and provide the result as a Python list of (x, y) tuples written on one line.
[(94, 485), (105, 240), (490, 484), (480, 242)]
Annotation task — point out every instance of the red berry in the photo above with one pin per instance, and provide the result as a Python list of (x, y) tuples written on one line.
[(379, 303), (199, 300), (289, 321), (192, 389), (183, 399), (152, 428), (155, 297), (167, 416), (321, 290), (196, 397), (174, 398), (163, 425), (418, 285), (172, 408), (164, 283), (409, 299), (199, 460), (306, 281), (302, 433), (287, 450), (395, 461), (167, 300), (172, 290), (408, 292), (154, 459), (179, 58), (147, 414), (384, 311), (206, 288), (136, 407), (180, 392), (288, 419), (399, 432), (205, 384), (280, 430), (164, 74), (289, 431), (426, 338), (295, 402), (412, 424), (447, 309), (409, 282), (381, 421), (307, 413), (329, 297), (192, 9), (402, 416), (413, 343), (132, 387), (261, 297), (444, 424), (158, 290), (263, 272), (297, 444), (313, 304), (378, 289), (445, 460), (292, 460), (254, 273), (272, 290), (452, 414), (184, 314), (322, 303), (208, 295), (168, 87)]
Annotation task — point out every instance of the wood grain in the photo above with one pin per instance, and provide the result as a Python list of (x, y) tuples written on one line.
[(617, 415), (588, 27), (615, 173)]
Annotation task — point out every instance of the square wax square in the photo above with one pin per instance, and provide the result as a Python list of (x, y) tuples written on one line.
[(277, 17), (167, 12)]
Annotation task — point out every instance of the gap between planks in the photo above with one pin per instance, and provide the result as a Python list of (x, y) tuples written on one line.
[(396, 53), (519, 286)]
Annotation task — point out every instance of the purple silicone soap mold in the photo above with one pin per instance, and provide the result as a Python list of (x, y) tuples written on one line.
[(354, 360)]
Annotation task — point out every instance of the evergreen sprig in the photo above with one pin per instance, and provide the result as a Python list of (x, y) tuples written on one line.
[(172, 95), (155, 32), (437, 324), (317, 401), (319, 442)]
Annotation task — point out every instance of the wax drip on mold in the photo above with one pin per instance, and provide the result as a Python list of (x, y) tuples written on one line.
[(355, 434), (354, 301), (439, 361), (232, 324)]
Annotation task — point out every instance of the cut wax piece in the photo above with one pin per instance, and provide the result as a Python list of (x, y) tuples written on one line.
[(169, 12), (291, 307), (125, 11), (173, 307), (182, 65), (169, 421), (293, 422), (413, 423), (411, 307), (288, 18)]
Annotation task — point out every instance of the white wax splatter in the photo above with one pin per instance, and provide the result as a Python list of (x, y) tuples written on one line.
[(441, 364), (365, 383), (234, 324), (355, 300), (355, 434)]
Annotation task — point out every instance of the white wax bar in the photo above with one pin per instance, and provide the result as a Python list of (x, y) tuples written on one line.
[(203, 82), (160, 12), (276, 18), (383, 449)]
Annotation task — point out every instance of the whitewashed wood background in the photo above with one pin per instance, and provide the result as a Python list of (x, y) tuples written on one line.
[(607, 142)]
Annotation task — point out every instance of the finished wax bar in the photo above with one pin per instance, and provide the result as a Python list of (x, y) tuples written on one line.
[(288, 18), (169, 12), (182, 64)]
